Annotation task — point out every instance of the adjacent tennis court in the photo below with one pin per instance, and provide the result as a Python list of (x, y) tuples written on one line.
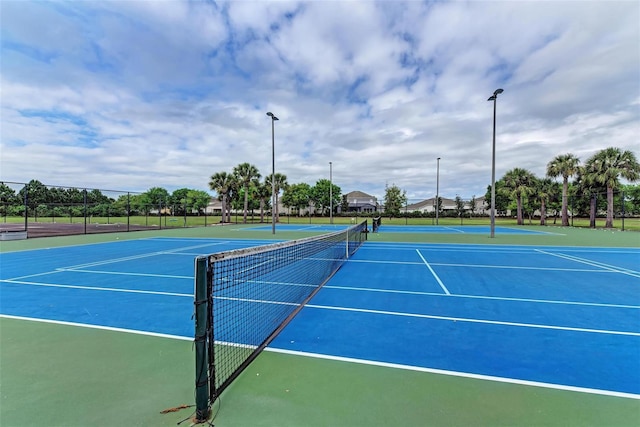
[(557, 318), (427, 229)]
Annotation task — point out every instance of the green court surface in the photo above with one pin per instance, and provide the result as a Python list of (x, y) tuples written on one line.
[(69, 376), (66, 375)]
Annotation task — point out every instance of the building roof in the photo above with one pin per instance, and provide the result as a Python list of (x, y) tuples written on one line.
[(430, 202), (359, 195)]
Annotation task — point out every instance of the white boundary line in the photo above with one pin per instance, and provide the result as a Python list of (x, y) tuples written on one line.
[(468, 320), (348, 288), (121, 273), (454, 229), (438, 294), (350, 360), (513, 267), (463, 247), (444, 288), (104, 328), (458, 374), (601, 265), (96, 288)]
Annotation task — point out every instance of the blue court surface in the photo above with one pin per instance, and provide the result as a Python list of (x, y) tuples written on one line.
[(565, 317), (439, 229)]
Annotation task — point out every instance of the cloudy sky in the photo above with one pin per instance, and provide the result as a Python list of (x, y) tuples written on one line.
[(135, 94)]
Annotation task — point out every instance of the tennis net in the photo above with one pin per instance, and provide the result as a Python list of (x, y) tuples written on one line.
[(249, 295)]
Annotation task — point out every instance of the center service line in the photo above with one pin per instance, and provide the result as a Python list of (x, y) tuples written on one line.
[(444, 288)]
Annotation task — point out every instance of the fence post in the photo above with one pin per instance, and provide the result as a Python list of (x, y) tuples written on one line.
[(26, 207), (84, 197), (622, 198), (128, 211)]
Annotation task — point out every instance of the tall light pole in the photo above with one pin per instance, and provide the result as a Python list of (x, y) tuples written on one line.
[(437, 189), (273, 173), (330, 193), (494, 98)]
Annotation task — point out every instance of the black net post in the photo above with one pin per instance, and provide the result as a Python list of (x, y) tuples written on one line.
[(251, 294), (202, 359)]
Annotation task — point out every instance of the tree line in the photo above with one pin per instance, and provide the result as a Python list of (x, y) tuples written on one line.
[(41, 200), (596, 186), (243, 189)]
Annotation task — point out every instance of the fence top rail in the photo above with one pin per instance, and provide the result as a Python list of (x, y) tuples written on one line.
[(73, 187)]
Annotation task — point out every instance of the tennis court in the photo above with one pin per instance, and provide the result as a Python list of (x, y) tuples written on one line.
[(565, 317), (411, 229), (559, 318)]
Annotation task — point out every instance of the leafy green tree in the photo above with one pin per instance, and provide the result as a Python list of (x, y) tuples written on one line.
[(57, 195), (565, 165), (7, 194), (178, 201), (223, 183), (519, 183), (344, 204), (8, 200), (321, 194), (96, 197), (632, 199), (245, 173), (75, 196), (608, 166), (253, 201), (297, 196), (139, 203), (37, 194), (502, 198), (122, 205), (156, 197), (394, 200), (472, 205), (198, 200), (459, 206)]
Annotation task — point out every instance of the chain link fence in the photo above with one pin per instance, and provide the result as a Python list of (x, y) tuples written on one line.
[(41, 210)]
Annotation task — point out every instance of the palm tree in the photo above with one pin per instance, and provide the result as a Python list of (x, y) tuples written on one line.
[(585, 184), (246, 173), (608, 166), (544, 191), (564, 165), (222, 183), (263, 192), (519, 182), (281, 184)]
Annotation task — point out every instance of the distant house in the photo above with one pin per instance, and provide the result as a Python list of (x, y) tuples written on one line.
[(482, 207), (360, 202), (447, 205), (429, 205), (214, 207)]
